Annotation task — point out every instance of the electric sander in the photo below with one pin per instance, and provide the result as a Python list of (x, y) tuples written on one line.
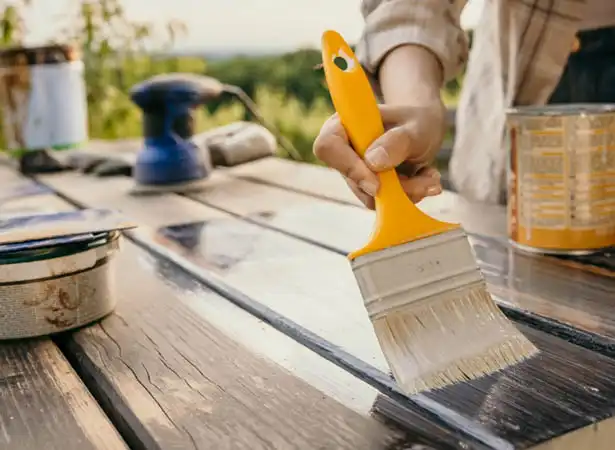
[(170, 161), (173, 158)]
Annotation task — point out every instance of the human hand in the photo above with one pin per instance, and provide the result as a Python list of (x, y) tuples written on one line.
[(412, 138)]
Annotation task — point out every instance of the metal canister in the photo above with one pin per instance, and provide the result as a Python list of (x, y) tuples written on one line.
[(49, 290), (561, 178), (42, 98)]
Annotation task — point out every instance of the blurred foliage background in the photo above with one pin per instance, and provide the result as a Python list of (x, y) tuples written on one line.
[(288, 88)]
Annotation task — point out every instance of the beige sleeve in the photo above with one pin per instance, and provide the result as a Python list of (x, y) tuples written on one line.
[(433, 24)]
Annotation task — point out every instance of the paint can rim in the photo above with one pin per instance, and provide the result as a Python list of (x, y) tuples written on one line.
[(38, 55), (572, 109)]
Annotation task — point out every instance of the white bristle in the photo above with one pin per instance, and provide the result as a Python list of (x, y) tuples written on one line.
[(434, 318)]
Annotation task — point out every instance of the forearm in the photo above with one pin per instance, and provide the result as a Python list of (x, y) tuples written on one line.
[(404, 40), (410, 75)]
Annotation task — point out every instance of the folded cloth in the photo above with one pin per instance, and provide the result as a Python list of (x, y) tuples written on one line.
[(100, 165), (237, 143), (39, 161)]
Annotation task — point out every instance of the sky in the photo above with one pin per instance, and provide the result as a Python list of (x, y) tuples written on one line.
[(232, 24)]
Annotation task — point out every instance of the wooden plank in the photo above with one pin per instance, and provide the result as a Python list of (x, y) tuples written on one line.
[(308, 178), (546, 287), (44, 403), (317, 181), (554, 294), (311, 218), (567, 388), (575, 297)]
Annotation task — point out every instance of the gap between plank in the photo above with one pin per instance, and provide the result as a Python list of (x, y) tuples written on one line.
[(114, 408)]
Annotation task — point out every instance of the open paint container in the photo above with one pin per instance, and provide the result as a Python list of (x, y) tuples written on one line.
[(57, 283)]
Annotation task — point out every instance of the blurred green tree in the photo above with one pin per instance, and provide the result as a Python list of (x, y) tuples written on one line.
[(119, 52)]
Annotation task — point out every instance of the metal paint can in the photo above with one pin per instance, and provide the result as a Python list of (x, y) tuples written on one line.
[(50, 290), (561, 178), (42, 98)]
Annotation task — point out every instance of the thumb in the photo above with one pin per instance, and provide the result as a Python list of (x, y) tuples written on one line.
[(391, 149), (415, 136)]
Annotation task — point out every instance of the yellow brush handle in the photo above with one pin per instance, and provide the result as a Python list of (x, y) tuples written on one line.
[(398, 220)]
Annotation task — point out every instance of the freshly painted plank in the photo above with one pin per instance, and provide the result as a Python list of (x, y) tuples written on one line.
[(579, 298), (566, 387), (552, 388), (547, 288), (43, 402), (477, 218)]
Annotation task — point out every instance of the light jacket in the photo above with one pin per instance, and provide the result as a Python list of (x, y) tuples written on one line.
[(519, 51)]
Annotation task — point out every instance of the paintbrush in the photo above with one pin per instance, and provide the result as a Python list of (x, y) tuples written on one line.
[(424, 293)]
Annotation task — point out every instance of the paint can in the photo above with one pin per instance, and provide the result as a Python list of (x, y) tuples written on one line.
[(42, 98), (48, 290), (561, 178)]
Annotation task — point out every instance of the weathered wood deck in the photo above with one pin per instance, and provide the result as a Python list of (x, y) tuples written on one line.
[(240, 326)]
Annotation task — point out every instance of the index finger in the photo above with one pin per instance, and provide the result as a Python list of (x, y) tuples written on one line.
[(333, 148)]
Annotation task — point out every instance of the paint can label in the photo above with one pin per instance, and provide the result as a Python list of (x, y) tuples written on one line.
[(561, 191), (43, 106), (513, 214)]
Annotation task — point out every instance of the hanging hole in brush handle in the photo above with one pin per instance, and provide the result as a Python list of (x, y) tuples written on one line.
[(343, 61)]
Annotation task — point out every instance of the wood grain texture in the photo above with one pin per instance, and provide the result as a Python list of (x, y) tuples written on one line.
[(179, 367), (45, 405), (513, 402), (563, 390)]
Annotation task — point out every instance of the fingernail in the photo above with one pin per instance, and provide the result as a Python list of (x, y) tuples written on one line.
[(434, 190), (368, 187), (378, 158), (433, 173)]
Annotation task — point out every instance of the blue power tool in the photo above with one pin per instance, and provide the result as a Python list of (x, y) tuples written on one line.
[(168, 103)]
